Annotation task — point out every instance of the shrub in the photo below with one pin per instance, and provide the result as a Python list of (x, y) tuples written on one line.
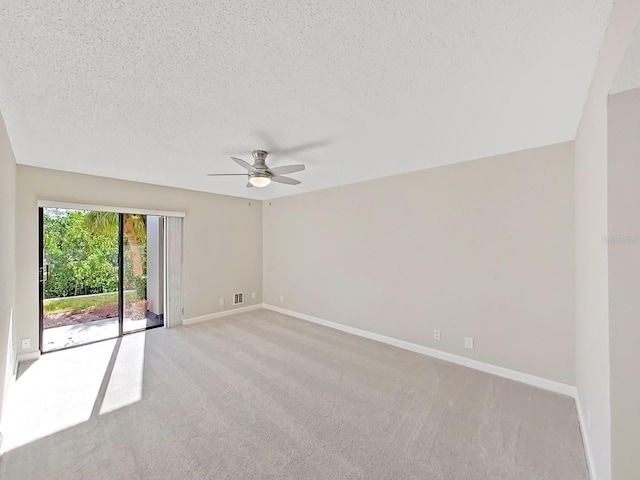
[(83, 261), (79, 263)]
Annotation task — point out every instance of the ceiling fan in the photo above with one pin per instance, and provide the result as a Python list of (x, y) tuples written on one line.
[(260, 175)]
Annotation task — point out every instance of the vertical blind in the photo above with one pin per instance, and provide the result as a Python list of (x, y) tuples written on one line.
[(173, 272)]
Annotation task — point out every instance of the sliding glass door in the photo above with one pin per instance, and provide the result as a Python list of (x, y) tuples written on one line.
[(94, 272)]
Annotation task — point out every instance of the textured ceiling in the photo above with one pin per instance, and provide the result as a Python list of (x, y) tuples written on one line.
[(628, 76), (164, 91)]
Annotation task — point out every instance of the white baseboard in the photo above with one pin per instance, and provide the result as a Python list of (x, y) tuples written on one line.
[(27, 357), (226, 313), (533, 380), (582, 421)]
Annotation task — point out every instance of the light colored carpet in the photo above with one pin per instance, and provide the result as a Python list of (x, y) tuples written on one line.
[(264, 396)]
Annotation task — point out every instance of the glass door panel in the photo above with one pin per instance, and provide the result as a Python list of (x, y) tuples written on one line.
[(78, 277), (134, 230)]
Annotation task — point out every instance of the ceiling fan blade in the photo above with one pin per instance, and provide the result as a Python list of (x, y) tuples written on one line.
[(276, 149), (287, 180), (298, 148), (224, 174), (249, 185), (286, 169), (244, 164)]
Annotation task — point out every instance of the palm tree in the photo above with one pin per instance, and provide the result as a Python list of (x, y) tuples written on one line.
[(135, 226)]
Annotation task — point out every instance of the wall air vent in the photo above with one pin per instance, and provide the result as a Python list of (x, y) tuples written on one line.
[(238, 298)]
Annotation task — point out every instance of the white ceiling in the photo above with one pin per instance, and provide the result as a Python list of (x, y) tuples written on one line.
[(164, 91)]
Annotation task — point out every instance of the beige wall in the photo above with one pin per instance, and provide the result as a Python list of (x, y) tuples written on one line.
[(592, 325), (482, 249), (222, 238), (7, 264), (624, 281), (592, 289)]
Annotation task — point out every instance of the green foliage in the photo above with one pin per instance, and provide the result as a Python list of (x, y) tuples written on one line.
[(79, 262), (83, 260), (102, 223), (106, 223)]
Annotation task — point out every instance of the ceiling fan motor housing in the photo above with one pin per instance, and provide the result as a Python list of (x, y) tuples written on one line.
[(260, 157)]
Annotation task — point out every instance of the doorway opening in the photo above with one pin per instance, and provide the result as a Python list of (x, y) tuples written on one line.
[(101, 275)]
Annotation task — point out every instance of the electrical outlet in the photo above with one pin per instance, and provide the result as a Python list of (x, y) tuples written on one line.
[(221, 301), (26, 343), (468, 342), (436, 334), (281, 298), (253, 294)]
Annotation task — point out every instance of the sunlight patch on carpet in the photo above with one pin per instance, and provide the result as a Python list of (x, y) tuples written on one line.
[(41, 404), (125, 384)]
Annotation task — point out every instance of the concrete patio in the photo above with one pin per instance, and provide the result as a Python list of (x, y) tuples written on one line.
[(56, 338)]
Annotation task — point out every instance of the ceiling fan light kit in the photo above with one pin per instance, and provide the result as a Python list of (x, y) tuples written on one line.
[(259, 180), (260, 175)]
